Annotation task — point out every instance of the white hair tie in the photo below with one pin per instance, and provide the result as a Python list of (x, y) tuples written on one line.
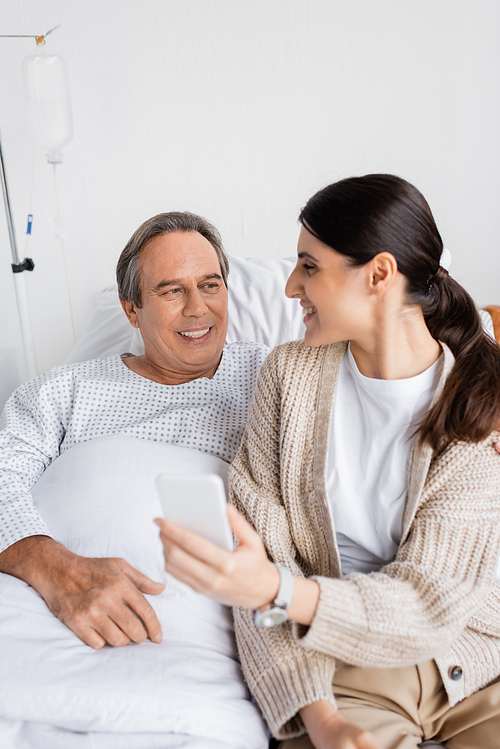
[(445, 261)]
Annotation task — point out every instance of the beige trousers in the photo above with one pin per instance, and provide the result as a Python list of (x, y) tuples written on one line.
[(402, 707)]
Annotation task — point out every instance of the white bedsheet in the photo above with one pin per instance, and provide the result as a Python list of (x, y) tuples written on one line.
[(99, 499)]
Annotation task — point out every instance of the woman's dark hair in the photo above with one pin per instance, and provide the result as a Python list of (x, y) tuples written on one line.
[(363, 216)]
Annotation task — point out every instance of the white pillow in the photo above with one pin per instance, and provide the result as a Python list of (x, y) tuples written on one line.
[(258, 311), (99, 499), (258, 308)]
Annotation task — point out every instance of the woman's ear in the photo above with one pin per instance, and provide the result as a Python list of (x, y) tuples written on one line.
[(383, 269), (131, 311)]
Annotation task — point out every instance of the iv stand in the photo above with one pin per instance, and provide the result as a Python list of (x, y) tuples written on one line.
[(20, 281)]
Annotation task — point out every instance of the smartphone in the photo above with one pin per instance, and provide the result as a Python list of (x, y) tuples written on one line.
[(198, 503)]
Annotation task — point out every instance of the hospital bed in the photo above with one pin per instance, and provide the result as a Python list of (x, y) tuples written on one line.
[(99, 499), (187, 693)]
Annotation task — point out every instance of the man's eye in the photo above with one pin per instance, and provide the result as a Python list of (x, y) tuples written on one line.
[(171, 292), (211, 286)]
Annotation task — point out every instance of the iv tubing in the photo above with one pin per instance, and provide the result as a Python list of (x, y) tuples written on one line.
[(58, 217)]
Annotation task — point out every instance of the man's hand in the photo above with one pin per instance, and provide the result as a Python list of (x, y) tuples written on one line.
[(328, 730), (99, 599)]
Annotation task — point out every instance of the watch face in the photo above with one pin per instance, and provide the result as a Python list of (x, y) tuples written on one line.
[(270, 618)]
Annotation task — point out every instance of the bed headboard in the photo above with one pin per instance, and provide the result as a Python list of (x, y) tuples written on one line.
[(494, 312)]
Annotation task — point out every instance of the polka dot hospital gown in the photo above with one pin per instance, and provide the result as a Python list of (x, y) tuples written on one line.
[(79, 402)]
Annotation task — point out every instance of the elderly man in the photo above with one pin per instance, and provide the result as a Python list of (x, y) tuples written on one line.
[(187, 389)]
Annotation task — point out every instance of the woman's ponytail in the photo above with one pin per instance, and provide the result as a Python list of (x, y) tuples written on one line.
[(469, 406)]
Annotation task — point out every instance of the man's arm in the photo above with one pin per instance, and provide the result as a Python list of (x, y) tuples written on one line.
[(99, 599)]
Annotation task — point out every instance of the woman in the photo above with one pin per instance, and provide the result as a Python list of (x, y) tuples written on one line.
[(368, 471)]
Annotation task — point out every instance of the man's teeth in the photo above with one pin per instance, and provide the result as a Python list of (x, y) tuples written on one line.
[(309, 310), (195, 333)]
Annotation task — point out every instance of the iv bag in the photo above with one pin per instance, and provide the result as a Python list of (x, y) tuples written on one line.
[(47, 90)]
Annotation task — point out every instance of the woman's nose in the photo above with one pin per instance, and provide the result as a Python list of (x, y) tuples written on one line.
[(293, 287)]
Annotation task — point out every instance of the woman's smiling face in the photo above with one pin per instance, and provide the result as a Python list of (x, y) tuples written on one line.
[(331, 292)]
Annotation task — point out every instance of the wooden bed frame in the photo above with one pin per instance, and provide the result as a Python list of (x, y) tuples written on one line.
[(494, 311)]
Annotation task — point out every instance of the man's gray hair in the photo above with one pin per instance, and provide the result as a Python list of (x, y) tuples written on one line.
[(128, 268)]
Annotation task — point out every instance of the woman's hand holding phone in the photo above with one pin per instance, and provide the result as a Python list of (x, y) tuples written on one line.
[(243, 577)]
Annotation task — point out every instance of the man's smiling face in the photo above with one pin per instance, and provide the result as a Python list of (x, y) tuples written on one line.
[(183, 314)]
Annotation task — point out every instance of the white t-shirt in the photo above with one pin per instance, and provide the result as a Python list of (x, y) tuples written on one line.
[(373, 428)]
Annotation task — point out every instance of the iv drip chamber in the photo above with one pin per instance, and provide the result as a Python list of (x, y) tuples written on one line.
[(47, 90)]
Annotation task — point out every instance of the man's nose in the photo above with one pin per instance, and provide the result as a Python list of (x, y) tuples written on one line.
[(195, 305)]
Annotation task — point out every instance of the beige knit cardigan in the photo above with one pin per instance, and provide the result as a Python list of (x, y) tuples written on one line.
[(438, 599)]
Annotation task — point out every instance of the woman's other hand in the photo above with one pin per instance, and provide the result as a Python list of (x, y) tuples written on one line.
[(244, 577), (328, 730)]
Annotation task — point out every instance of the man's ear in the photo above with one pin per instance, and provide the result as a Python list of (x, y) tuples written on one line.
[(383, 268), (131, 311)]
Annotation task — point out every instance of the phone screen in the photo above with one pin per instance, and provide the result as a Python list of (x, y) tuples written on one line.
[(198, 503)]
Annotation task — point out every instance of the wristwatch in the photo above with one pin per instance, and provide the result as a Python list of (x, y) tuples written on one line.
[(276, 612)]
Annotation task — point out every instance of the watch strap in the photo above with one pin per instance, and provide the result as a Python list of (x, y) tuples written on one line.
[(285, 592)]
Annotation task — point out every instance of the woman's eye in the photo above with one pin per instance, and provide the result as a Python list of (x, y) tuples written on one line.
[(308, 267)]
